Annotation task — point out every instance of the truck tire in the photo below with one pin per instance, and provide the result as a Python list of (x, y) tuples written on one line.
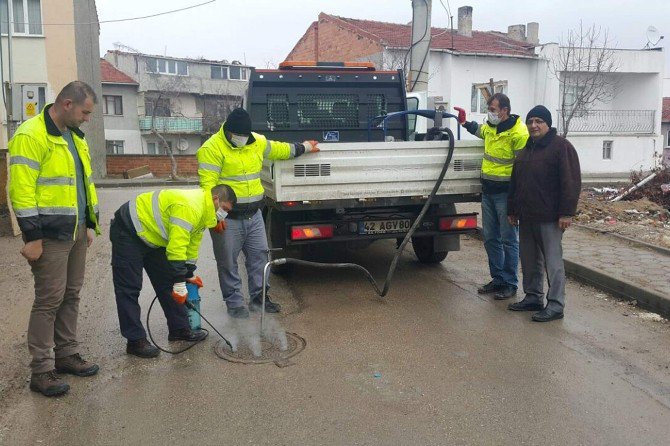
[(424, 248)]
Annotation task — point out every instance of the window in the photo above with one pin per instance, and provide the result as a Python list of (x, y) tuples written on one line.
[(235, 72), (26, 15), (154, 148), (114, 147), (166, 66), (607, 150), (219, 72), (667, 141), (162, 107), (481, 92), (112, 105)]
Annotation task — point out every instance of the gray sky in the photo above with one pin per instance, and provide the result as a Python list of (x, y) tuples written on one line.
[(262, 32)]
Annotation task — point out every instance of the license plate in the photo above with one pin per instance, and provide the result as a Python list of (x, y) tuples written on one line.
[(384, 226)]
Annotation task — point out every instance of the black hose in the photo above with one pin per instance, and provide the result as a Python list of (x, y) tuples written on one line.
[(394, 263), (173, 352)]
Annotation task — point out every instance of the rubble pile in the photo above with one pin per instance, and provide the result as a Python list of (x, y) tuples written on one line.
[(644, 214)]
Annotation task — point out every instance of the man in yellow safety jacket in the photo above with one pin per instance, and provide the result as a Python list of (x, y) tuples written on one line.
[(161, 232), (234, 156), (504, 136), (56, 207)]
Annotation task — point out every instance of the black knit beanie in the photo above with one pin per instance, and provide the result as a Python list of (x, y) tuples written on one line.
[(540, 111), (239, 122)]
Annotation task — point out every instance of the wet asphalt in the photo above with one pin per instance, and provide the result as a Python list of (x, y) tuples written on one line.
[(432, 363)]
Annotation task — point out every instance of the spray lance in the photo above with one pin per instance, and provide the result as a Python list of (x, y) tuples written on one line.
[(192, 303)]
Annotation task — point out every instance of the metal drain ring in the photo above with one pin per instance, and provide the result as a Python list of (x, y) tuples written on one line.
[(270, 353)]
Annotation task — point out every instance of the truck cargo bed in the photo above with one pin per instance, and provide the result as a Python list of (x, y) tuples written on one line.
[(374, 170)]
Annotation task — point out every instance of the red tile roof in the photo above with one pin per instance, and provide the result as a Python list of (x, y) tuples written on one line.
[(396, 35), (666, 110), (110, 75)]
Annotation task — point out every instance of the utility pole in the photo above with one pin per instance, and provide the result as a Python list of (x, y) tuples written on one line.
[(420, 46)]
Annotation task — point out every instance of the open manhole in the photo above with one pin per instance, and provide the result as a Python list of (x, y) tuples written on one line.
[(270, 350)]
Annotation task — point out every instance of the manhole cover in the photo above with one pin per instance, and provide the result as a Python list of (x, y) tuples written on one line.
[(274, 350)]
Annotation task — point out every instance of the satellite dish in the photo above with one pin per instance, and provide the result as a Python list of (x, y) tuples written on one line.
[(182, 146), (653, 36)]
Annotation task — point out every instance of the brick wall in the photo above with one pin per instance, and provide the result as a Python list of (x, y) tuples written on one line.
[(187, 165), (335, 44)]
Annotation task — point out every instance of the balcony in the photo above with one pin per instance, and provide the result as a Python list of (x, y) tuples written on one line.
[(611, 121), (172, 124)]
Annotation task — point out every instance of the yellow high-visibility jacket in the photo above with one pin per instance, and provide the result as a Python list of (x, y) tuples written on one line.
[(43, 186), (500, 149), (174, 219), (239, 167)]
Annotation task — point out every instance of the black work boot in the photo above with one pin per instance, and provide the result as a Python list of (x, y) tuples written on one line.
[(48, 384), (186, 334), (142, 348), (76, 365), (270, 307), (238, 312), (505, 292), (490, 287)]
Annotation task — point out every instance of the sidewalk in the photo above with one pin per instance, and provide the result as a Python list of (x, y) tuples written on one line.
[(623, 267)]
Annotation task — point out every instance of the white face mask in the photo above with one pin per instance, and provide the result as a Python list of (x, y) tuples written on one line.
[(493, 118), (221, 214), (239, 140)]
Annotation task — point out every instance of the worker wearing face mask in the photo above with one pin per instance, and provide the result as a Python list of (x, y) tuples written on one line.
[(161, 232), (234, 156), (504, 136)]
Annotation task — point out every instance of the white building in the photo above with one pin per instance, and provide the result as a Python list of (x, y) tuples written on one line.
[(613, 139)]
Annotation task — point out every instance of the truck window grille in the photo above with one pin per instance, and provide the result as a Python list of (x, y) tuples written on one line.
[(277, 112), (466, 165), (376, 105), (327, 111), (311, 170)]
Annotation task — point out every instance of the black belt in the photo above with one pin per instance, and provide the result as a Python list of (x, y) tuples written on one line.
[(245, 211)]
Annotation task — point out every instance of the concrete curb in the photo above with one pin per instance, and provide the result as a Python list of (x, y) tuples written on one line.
[(648, 299)]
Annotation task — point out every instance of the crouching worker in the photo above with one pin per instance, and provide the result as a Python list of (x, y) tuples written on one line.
[(161, 232)]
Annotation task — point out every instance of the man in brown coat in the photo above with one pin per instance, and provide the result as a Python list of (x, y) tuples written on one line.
[(544, 190)]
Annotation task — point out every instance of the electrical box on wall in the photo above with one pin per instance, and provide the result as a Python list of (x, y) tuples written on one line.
[(29, 100)]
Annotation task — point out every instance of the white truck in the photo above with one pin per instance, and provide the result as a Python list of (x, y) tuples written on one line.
[(367, 182)]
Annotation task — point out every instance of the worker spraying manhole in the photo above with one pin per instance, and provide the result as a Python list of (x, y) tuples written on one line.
[(269, 346)]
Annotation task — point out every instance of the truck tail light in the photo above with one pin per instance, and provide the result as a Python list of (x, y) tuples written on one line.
[(458, 223), (311, 232)]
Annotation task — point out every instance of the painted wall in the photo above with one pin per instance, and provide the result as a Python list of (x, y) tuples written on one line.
[(59, 42), (628, 153)]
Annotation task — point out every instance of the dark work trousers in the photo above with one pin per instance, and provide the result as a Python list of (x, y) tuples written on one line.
[(129, 256), (542, 252)]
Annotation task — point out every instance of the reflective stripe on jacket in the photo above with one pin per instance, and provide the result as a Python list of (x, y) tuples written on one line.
[(173, 219), (43, 186), (240, 168), (500, 149)]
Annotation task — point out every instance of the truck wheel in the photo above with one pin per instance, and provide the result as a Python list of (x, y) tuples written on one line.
[(424, 249)]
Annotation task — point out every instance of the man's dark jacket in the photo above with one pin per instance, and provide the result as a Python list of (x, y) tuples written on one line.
[(546, 180)]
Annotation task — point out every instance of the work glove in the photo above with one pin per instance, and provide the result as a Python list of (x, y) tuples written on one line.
[(195, 280), (179, 292), (311, 146), (461, 115), (220, 227)]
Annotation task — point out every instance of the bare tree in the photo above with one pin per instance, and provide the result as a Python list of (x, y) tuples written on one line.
[(166, 88), (584, 68)]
